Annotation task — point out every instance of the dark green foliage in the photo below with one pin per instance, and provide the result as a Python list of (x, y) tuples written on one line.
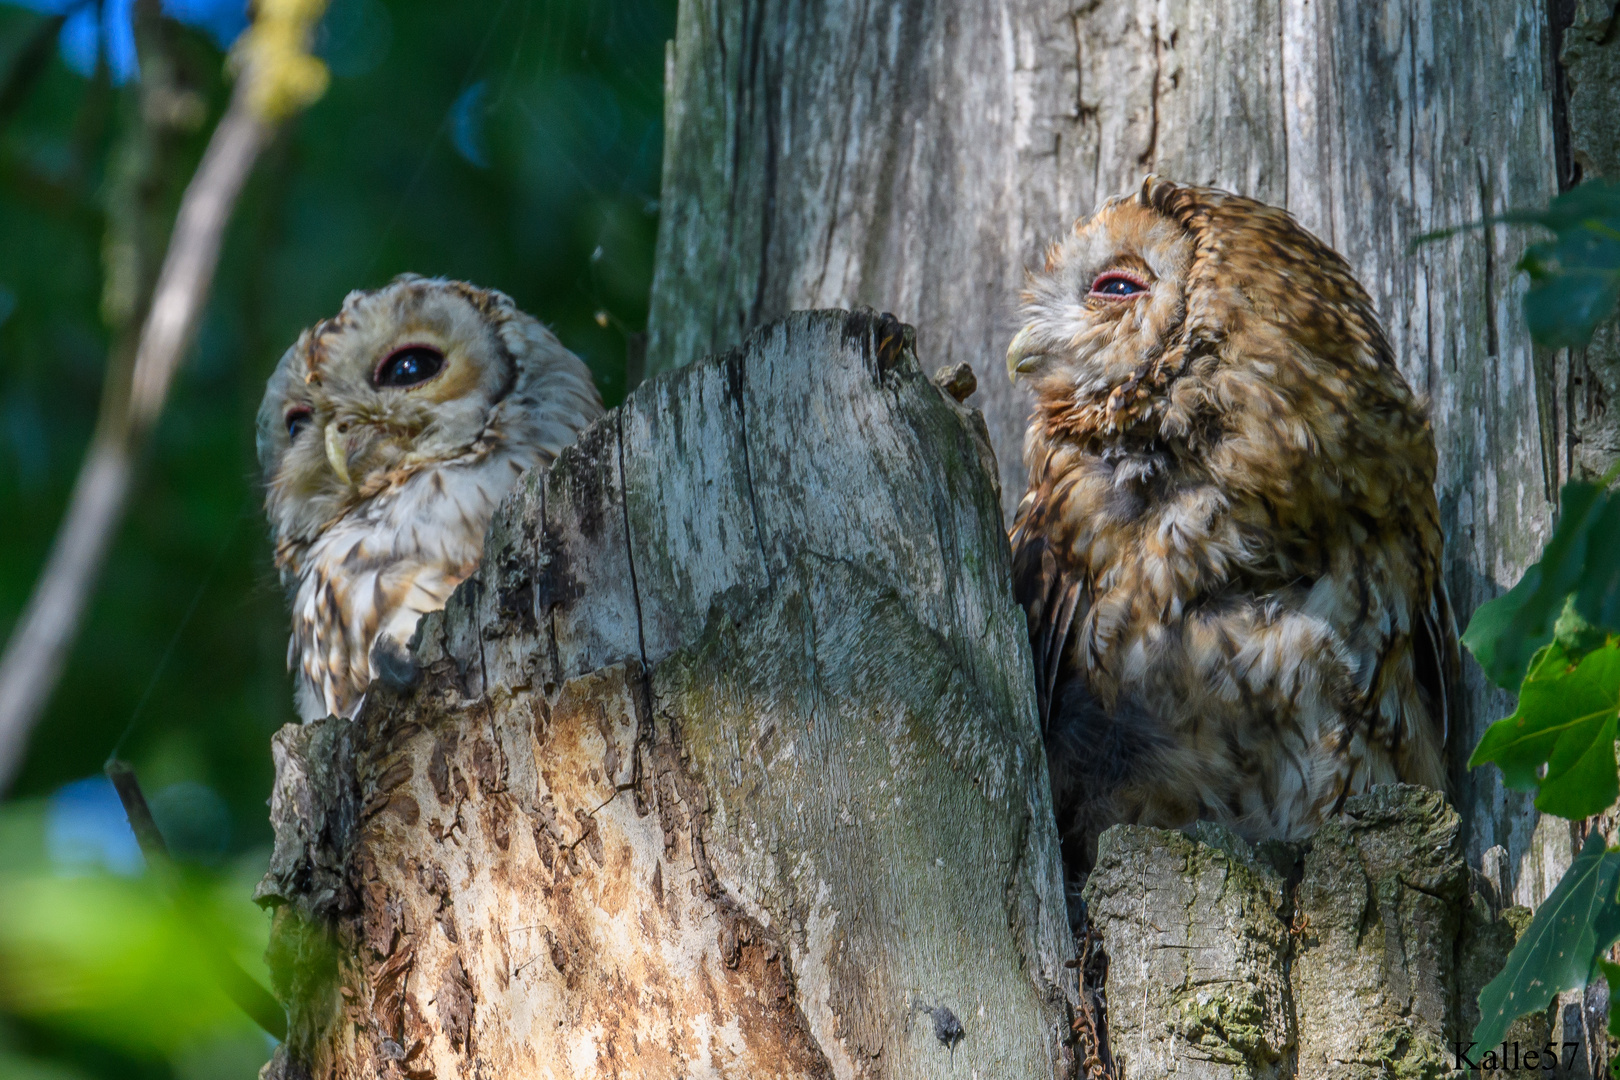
[(1574, 277), (1557, 629), (1579, 568), (1556, 637), (1560, 739), (1555, 953), (1597, 596), (1506, 632), (514, 143)]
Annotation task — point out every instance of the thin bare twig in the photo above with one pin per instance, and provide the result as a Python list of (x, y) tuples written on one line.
[(277, 77), (39, 645), (188, 268)]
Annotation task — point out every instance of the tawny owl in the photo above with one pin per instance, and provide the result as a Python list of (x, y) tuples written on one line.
[(387, 436), (1230, 551)]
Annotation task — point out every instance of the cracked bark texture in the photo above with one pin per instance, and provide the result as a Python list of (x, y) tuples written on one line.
[(917, 156), (724, 765), (1589, 378), (1358, 955), (1197, 955)]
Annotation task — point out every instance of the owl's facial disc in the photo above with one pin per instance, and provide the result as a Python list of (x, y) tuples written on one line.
[(1125, 282), (1107, 294), (404, 378)]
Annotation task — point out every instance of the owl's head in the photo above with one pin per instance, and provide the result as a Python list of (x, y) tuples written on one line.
[(1173, 270), (418, 373)]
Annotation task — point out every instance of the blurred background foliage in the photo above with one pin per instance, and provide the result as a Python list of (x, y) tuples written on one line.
[(513, 143)]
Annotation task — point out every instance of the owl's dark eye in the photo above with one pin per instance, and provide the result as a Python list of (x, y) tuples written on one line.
[(1117, 285), (297, 421), (409, 366)]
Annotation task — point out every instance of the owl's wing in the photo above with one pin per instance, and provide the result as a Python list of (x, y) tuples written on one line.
[(1049, 596)]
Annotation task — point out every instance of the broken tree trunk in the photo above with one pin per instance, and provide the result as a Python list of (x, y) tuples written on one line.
[(724, 765), (918, 156), (1358, 954)]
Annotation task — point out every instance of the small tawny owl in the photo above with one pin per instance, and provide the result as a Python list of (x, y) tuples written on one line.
[(1230, 551), (387, 436)]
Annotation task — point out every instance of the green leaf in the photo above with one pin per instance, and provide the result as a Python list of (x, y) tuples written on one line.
[(1575, 277), (1574, 634), (1506, 632), (1597, 597), (1557, 951), (1561, 737), (1611, 973)]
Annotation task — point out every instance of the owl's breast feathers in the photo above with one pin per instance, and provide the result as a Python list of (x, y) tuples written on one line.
[(373, 572), (1237, 548), (388, 435)]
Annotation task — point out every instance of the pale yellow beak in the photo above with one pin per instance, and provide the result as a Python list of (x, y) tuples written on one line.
[(1022, 355), (337, 455)]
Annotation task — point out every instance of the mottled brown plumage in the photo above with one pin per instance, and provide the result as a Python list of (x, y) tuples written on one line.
[(1230, 551), (387, 436)]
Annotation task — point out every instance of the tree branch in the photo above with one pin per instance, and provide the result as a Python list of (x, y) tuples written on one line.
[(188, 268), (276, 78)]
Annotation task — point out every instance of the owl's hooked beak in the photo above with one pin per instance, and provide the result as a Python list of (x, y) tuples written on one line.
[(1022, 355), (337, 455)]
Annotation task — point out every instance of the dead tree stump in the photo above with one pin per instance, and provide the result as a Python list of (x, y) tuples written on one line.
[(725, 765)]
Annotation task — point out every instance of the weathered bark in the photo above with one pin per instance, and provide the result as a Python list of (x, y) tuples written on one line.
[(916, 156), (725, 764), (1586, 382), (1357, 955), (1589, 380), (1197, 955)]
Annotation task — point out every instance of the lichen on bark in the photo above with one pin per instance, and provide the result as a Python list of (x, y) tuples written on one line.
[(1353, 956)]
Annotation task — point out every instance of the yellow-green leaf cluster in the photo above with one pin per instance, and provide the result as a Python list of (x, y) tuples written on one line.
[(274, 56)]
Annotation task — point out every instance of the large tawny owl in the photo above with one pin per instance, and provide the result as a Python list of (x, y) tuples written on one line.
[(387, 436), (1230, 551)]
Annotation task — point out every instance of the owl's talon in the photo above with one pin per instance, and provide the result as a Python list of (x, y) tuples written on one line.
[(396, 668)]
